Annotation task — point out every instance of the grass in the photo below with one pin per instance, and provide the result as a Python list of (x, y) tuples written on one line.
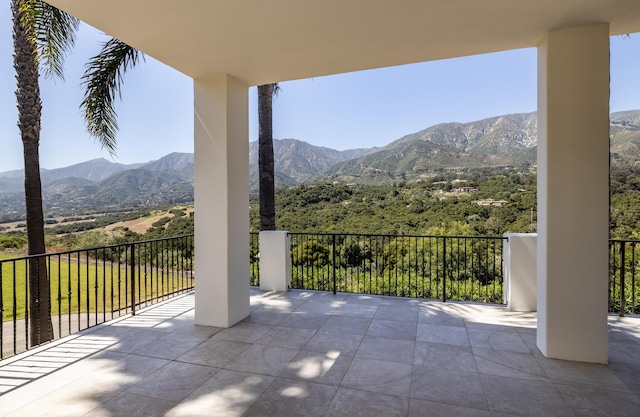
[(85, 286)]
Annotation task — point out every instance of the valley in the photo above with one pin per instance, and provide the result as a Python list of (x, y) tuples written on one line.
[(407, 186)]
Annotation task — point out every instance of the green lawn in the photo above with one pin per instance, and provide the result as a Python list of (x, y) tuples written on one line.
[(81, 287)]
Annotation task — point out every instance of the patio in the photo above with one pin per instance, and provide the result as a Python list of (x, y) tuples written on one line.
[(305, 353)]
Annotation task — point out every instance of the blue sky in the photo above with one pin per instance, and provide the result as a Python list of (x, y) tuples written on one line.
[(364, 109)]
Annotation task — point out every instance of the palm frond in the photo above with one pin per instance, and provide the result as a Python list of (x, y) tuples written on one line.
[(102, 80), (54, 33)]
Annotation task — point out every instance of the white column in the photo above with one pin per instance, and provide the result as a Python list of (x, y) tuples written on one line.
[(275, 260), (221, 201), (573, 193), (521, 277)]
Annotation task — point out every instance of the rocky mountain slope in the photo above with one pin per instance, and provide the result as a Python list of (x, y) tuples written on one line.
[(507, 140)]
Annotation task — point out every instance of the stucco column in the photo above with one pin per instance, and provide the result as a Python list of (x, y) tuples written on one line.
[(521, 276), (573, 193), (275, 260), (221, 201)]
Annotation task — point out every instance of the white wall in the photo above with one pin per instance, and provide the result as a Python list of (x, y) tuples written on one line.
[(221, 201), (573, 193)]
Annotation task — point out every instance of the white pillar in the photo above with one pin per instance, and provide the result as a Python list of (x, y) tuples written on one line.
[(520, 259), (573, 193), (275, 261), (221, 201)]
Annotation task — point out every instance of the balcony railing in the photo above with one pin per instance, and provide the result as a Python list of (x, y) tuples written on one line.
[(624, 276), (466, 268), (88, 287), (463, 268), (460, 268)]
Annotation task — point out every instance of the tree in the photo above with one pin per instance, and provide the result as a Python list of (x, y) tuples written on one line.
[(102, 81), (43, 35), (265, 156)]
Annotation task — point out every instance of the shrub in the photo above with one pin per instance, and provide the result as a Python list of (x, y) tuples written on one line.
[(311, 253)]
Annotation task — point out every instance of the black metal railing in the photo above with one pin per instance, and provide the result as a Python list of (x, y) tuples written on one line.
[(87, 287), (468, 268), (624, 276)]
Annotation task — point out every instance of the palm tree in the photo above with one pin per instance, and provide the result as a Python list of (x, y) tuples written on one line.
[(266, 173), (102, 81), (42, 35)]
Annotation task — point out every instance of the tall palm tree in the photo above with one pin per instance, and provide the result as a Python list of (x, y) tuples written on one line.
[(266, 171), (42, 35)]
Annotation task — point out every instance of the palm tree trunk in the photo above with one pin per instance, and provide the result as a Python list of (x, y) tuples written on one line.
[(25, 62), (265, 158)]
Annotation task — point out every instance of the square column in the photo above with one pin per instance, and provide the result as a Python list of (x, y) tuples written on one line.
[(221, 151), (275, 260), (573, 193), (520, 271)]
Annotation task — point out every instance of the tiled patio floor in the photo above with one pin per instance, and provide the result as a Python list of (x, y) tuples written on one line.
[(308, 353)]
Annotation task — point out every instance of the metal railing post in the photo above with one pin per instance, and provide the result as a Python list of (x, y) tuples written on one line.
[(444, 269), (633, 278), (133, 280), (333, 243), (622, 274)]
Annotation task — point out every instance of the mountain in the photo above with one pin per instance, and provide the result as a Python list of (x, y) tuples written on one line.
[(297, 161), (410, 161), (99, 185), (65, 186), (510, 135), (625, 136), (180, 163), (508, 140), (93, 170), (139, 187), (628, 117)]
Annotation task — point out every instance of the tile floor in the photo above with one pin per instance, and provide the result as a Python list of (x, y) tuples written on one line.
[(307, 353)]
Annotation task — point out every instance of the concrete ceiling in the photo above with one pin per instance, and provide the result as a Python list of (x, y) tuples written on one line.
[(263, 41)]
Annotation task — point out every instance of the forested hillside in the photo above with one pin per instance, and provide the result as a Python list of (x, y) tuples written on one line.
[(410, 207), (490, 202), (485, 202)]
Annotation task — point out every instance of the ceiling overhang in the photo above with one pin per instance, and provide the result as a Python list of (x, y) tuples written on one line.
[(260, 42)]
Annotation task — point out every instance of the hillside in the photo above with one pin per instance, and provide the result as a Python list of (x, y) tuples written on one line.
[(507, 135), (507, 140), (297, 161), (169, 180), (625, 137), (501, 141), (93, 170)]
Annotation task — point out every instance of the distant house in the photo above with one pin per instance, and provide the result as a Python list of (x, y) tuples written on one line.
[(492, 202), (464, 190)]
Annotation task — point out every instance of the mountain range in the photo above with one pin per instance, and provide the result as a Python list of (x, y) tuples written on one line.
[(507, 140)]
